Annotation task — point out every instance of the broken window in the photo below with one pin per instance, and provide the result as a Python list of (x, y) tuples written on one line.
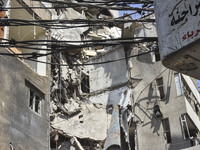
[(178, 83), (166, 130), (160, 88), (35, 98), (85, 83)]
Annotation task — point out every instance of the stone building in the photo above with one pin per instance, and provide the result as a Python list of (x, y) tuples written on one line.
[(24, 96)]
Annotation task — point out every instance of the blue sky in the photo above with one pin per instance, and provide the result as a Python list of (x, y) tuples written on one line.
[(198, 84), (135, 16)]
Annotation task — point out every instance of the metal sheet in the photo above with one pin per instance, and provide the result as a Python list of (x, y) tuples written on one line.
[(113, 137)]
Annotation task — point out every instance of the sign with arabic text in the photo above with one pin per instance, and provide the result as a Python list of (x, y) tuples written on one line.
[(178, 24)]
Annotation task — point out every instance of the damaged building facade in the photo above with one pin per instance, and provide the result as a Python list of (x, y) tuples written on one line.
[(101, 96), (74, 118), (24, 96), (129, 103)]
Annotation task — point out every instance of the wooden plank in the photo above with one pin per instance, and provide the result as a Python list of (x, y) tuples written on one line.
[(2, 15)]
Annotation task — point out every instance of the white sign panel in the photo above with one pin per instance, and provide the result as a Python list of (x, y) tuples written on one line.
[(178, 24)]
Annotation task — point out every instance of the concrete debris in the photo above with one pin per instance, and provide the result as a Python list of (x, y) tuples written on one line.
[(72, 107), (71, 33), (90, 53), (80, 123), (86, 124)]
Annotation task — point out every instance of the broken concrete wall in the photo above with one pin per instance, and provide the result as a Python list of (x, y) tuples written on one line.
[(72, 114), (69, 34), (110, 85), (111, 74), (120, 96), (90, 122)]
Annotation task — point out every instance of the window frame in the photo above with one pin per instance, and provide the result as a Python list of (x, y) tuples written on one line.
[(159, 86), (179, 84), (166, 132), (36, 95), (85, 87)]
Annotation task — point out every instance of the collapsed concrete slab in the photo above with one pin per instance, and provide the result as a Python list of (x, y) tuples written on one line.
[(91, 122)]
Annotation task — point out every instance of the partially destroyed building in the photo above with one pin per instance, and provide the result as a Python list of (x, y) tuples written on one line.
[(104, 88), (122, 98)]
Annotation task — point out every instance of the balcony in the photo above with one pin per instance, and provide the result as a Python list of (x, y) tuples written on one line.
[(191, 120)]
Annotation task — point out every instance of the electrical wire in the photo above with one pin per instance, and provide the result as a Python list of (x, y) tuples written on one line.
[(84, 64), (54, 46), (14, 42), (61, 7), (88, 5), (60, 24)]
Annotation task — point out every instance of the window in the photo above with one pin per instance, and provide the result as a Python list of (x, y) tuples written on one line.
[(186, 132), (35, 102), (156, 53), (35, 97), (178, 83), (160, 88), (157, 111), (166, 130), (85, 83)]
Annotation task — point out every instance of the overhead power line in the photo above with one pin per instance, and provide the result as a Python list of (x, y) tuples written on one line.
[(84, 64), (65, 23), (57, 46), (57, 6), (89, 5)]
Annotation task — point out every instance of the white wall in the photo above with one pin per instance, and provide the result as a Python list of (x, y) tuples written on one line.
[(41, 67), (192, 87), (192, 114), (110, 74)]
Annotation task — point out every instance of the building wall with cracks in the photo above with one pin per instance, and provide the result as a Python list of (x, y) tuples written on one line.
[(24, 106)]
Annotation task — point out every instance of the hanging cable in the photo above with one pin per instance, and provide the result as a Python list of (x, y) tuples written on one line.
[(55, 46), (84, 64), (88, 5)]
